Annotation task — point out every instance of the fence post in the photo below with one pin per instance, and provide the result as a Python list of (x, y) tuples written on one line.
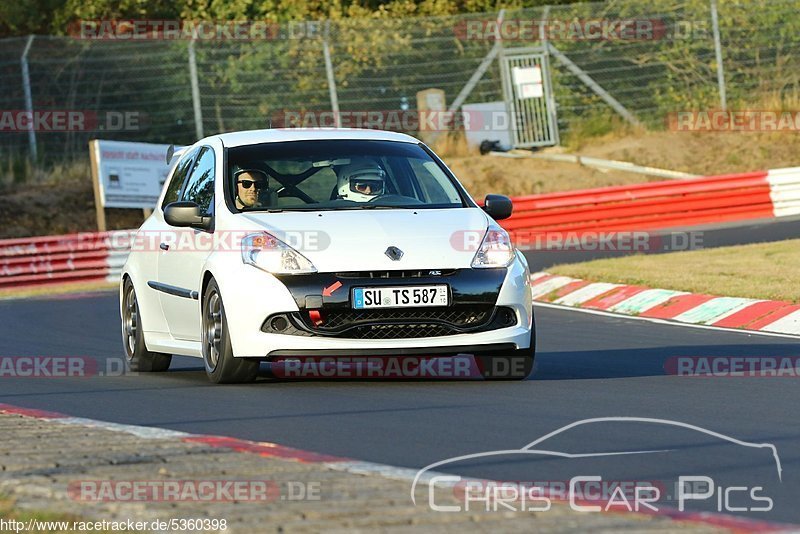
[(198, 111), (331, 79), (553, 118), (26, 86), (718, 53)]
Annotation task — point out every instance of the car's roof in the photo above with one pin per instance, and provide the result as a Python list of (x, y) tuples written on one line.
[(252, 137)]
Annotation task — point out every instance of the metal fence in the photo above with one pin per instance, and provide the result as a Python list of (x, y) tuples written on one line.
[(380, 64)]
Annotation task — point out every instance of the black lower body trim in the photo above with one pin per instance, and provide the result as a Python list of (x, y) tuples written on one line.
[(172, 290), (399, 351)]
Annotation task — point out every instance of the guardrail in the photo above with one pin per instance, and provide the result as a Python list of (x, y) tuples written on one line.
[(82, 257), (784, 187), (647, 206)]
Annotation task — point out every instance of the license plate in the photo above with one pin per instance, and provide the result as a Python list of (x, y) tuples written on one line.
[(399, 297)]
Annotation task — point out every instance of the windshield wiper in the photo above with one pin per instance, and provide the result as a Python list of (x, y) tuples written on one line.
[(378, 207)]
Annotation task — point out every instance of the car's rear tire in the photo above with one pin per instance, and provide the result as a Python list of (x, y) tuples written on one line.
[(221, 366), (138, 357), (518, 365)]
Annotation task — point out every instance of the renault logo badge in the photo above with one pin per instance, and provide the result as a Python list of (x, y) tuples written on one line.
[(394, 253)]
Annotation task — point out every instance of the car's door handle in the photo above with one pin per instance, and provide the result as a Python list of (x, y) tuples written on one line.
[(163, 246)]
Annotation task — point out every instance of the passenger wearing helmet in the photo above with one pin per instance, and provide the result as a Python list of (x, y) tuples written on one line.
[(361, 180)]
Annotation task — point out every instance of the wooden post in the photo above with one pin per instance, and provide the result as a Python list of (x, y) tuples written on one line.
[(94, 160)]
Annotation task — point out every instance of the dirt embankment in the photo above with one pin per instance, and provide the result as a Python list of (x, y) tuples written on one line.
[(58, 208), (699, 153)]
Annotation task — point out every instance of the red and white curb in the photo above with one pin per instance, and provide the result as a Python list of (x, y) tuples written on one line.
[(765, 316), (273, 450)]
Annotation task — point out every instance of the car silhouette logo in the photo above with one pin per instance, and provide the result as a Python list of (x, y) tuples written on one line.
[(394, 253), (428, 472)]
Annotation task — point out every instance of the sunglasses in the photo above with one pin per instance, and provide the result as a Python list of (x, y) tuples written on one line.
[(247, 184)]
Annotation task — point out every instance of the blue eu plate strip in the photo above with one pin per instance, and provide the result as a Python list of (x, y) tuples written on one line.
[(358, 297)]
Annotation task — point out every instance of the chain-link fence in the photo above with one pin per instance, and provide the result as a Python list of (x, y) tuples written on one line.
[(142, 89)]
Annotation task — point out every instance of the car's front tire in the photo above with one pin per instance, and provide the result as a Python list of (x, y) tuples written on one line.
[(138, 357), (221, 366)]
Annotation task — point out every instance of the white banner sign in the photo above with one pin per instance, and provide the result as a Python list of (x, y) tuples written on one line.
[(528, 81), (130, 175)]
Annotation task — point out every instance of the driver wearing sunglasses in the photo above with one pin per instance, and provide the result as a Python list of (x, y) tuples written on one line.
[(248, 184)]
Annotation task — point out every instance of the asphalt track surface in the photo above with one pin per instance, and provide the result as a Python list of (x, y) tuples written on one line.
[(661, 241), (588, 366)]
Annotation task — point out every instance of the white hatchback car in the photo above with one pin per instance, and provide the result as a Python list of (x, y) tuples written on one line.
[(280, 244)]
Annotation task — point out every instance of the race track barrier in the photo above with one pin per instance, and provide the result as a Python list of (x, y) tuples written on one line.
[(82, 257), (784, 187), (649, 206), (91, 256)]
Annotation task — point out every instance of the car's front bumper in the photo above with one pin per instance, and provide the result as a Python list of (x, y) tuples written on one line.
[(255, 296)]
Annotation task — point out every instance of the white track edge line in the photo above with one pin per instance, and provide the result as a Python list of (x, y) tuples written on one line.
[(668, 322)]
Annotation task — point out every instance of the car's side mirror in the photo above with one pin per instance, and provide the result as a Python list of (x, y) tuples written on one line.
[(185, 214), (498, 206)]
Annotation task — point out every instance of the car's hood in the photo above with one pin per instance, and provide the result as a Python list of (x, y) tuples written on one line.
[(357, 240)]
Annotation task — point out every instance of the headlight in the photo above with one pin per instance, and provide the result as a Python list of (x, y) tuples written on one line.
[(270, 254), (496, 250)]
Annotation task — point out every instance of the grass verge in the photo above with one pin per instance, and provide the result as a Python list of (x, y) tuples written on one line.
[(46, 521), (761, 271)]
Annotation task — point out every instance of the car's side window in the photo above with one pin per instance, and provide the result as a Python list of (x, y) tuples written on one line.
[(200, 186), (178, 179)]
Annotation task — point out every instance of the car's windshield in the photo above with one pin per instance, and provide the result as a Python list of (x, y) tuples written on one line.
[(337, 175)]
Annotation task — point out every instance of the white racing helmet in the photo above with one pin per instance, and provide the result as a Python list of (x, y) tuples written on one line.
[(361, 180)]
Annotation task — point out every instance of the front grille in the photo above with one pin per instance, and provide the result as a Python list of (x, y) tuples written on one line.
[(460, 317), (400, 331), (394, 323)]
